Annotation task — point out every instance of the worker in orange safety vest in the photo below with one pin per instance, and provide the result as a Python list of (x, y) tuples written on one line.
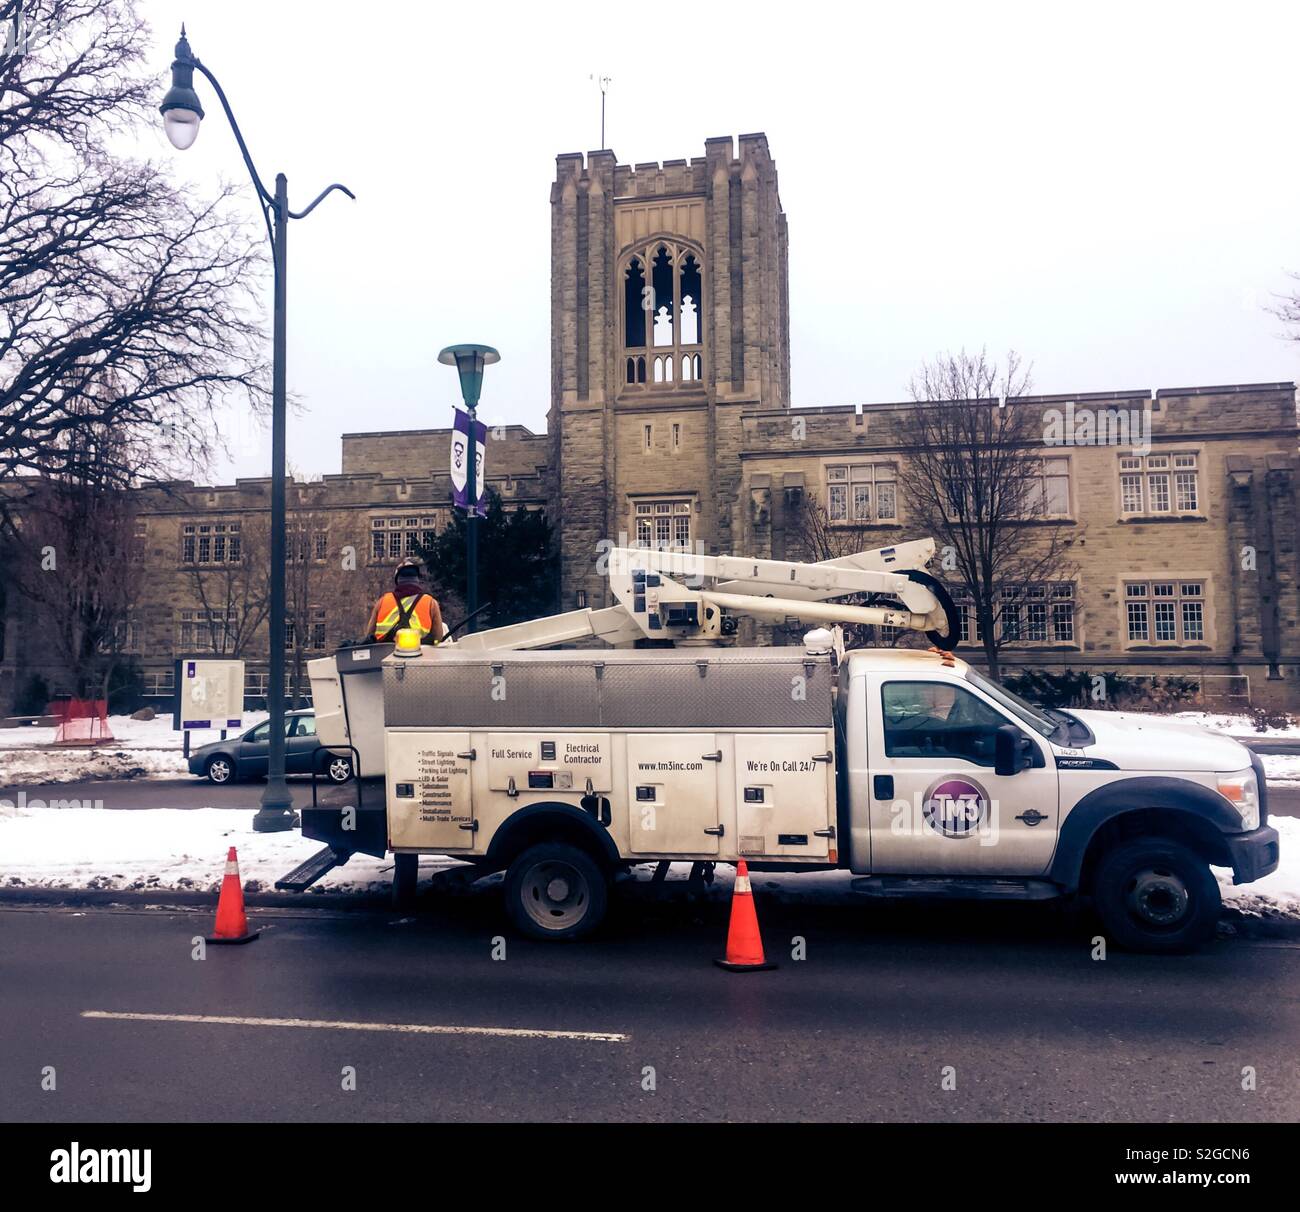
[(407, 604)]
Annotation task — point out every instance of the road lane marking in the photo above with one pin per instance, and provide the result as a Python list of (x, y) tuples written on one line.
[(231, 1020)]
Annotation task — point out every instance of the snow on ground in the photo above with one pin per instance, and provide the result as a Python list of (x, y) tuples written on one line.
[(1281, 769), (45, 847), (161, 848), (139, 749), (1235, 725)]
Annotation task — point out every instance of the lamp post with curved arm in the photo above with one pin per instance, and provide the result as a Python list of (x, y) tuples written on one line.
[(182, 113)]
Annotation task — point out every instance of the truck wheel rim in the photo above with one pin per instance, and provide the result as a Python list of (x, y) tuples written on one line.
[(1157, 897), (219, 771), (340, 770), (555, 895)]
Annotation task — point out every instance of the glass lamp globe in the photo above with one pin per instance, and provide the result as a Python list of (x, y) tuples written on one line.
[(182, 127)]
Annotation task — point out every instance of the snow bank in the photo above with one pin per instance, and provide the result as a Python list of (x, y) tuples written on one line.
[(1281, 769), (1234, 725), (139, 749), (175, 849), (159, 848)]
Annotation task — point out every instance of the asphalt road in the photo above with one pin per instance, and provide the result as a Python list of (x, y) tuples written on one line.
[(862, 1029), (199, 793)]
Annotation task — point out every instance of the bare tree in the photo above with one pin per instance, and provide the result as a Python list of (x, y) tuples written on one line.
[(236, 592), (328, 592), (972, 479), (1287, 309), (73, 552), (817, 538), (124, 298)]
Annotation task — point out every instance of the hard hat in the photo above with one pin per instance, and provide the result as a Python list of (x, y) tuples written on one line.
[(409, 570)]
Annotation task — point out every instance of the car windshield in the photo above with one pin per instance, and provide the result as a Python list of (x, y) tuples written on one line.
[(1041, 723)]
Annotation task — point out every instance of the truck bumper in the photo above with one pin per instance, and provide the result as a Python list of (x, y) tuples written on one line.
[(1254, 854), (369, 832)]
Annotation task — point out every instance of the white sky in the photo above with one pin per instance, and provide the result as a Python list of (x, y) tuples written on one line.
[(1112, 189)]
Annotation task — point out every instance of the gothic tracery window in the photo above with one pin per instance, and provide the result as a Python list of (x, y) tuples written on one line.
[(634, 290), (662, 302)]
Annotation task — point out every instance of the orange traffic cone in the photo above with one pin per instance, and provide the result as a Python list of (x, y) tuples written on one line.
[(744, 943), (232, 921)]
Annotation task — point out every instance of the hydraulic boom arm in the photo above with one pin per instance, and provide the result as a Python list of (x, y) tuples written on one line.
[(662, 594)]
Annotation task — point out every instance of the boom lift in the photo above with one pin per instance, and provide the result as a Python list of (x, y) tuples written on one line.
[(661, 597), (568, 769)]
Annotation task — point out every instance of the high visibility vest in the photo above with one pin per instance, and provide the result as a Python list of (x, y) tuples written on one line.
[(416, 608)]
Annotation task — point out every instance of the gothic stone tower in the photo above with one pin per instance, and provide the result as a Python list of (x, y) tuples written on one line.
[(669, 317)]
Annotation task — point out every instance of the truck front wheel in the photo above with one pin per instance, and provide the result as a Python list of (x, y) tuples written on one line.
[(1156, 895), (555, 891)]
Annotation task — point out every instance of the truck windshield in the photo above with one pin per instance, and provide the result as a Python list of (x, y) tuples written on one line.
[(1031, 715)]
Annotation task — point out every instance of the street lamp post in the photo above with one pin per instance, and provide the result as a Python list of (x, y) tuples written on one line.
[(182, 114), (469, 361)]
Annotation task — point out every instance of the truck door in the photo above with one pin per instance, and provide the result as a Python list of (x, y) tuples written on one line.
[(784, 795), (429, 791), (937, 804), (672, 794)]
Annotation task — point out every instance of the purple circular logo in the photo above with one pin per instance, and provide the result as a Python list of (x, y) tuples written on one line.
[(955, 806)]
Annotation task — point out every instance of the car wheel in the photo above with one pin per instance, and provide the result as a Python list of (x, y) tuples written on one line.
[(339, 769), (554, 891), (220, 769), (1156, 895)]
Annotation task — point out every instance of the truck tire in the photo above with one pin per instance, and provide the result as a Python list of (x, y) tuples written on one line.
[(1156, 895), (556, 892)]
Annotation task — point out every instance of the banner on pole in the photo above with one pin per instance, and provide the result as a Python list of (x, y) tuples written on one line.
[(460, 463)]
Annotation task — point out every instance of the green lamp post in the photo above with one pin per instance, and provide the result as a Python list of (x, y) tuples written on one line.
[(470, 361), (182, 113)]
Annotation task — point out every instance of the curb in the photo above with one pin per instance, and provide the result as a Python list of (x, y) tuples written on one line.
[(357, 902), (1242, 925)]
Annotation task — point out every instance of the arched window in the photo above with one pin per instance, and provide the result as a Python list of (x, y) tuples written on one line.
[(690, 294), (664, 300), (662, 303), (634, 300)]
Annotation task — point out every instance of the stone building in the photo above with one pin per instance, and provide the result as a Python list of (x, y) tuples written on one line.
[(670, 421)]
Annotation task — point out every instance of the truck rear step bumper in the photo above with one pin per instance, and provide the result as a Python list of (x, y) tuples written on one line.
[(304, 875), (947, 888)]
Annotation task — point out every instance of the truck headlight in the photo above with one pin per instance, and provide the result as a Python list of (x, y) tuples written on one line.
[(1241, 791)]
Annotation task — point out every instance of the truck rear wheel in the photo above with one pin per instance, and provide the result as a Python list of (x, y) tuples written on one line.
[(556, 891), (1156, 895)]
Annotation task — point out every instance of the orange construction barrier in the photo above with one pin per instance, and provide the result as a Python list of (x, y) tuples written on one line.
[(232, 921), (744, 943)]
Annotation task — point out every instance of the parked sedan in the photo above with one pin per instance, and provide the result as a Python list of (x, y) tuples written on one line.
[(248, 755)]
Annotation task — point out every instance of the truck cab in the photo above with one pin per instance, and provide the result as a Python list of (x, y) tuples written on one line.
[(952, 781)]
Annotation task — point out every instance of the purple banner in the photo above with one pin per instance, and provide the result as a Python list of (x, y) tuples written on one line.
[(460, 461)]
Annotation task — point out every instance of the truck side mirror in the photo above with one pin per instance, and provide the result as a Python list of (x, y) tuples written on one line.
[(1006, 750)]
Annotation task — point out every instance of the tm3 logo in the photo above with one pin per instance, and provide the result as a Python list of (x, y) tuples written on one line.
[(78, 1165), (955, 806)]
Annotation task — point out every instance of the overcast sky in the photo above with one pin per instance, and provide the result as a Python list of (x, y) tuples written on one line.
[(1112, 190)]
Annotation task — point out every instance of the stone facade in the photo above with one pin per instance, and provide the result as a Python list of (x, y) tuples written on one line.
[(671, 421), (720, 459), (346, 534)]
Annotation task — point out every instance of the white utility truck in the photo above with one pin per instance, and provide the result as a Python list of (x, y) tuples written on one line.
[(908, 768)]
